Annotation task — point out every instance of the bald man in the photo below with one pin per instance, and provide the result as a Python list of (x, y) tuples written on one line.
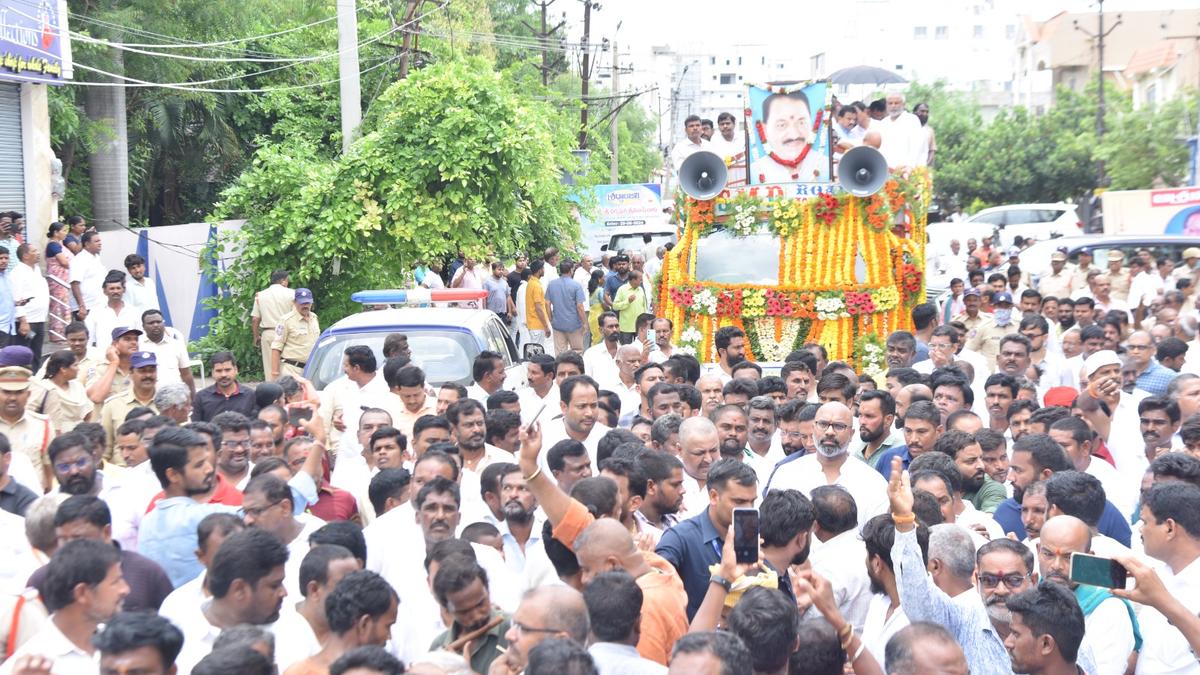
[(1111, 630), (711, 388), (544, 612), (605, 546), (832, 464)]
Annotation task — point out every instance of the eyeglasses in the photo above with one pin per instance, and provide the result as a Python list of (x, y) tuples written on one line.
[(522, 628), (256, 511), (1139, 348), (79, 464), (1013, 581), (838, 427)]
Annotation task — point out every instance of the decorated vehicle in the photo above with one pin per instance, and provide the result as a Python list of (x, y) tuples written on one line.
[(794, 263)]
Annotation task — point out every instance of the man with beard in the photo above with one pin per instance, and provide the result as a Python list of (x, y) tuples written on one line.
[(730, 343), (1014, 357), (606, 546), (984, 493), (226, 393), (246, 582), (468, 421), (796, 435), (1005, 568), (183, 463), (579, 403), (74, 466), (664, 491), (233, 455), (1111, 633), (144, 378), (1047, 633), (600, 360), (477, 627), (732, 430), (832, 464), (785, 523), (519, 530), (901, 349), (1034, 458), (967, 619), (876, 415)]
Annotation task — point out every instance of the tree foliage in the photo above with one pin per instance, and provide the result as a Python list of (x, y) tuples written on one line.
[(453, 157), (1020, 157)]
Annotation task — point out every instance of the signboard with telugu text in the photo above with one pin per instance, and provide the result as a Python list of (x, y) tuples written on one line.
[(32, 36), (623, 206)]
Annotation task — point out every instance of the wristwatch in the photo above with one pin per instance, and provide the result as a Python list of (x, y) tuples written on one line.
[(721, 581)]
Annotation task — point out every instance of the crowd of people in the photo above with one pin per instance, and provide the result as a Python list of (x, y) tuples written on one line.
[(583, 523)]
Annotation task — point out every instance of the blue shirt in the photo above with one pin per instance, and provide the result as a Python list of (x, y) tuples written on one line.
[(691, 546), (168, 533), (1112, 523), (967, 621), (883, 461), (612, 282), (565, 295), (497, 290), (8, 309), (1155, 378)]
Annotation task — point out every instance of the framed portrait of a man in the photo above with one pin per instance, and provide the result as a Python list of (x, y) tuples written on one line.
[(789, 134)]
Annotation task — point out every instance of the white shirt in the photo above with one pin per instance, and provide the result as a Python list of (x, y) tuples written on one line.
[(582, 277), (763, 465), (171, 353), (971, 516), (182, 601), (1108, 634), (468, 480), (1145, 287), (879, 627), (294, 636), (903, 139), (684, 149), (726, 149), (841, 560), (476, 393), (143, 295), (531, 403), (1122, 491), (127, 500), (555, 430), (89, 271), (50, 642), (598, 364), (695, 497), (865, 484), (198, 636), (297, 549), (1164, 649), (102, 319), (28, 282), (19, 560), (1125, 439)]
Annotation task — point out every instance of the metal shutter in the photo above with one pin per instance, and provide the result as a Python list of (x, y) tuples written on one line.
[(12, 166)]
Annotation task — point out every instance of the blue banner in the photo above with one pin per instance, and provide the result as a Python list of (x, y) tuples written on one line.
[(31, 40)]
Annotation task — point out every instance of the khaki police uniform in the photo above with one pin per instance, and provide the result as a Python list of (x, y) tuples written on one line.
[(1079, 276), (1119, 284), (270, 306), (31, 436), (1057, 285), (970, 323), (112, 416), (294, 338), (985, 339)]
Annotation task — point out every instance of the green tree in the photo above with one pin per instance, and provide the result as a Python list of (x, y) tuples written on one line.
[(456, 158)]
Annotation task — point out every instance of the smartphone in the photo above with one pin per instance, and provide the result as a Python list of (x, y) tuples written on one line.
[(534, 419), (1096, 571), (745, 535), (298, 414)]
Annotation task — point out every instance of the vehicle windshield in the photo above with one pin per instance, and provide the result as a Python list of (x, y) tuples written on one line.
[(444, 355), (634, 241), (725, 259)]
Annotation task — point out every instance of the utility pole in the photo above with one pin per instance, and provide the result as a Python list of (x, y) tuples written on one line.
[(409, 39), (1101, 33), (348, 86), (612, 125), (543, 37), (585, 73)]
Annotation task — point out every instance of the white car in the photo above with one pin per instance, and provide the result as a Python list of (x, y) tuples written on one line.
[(1040, 221), (444, 341)]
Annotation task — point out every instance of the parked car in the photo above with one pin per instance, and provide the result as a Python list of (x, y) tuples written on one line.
[(444, 340), (1039, 221)]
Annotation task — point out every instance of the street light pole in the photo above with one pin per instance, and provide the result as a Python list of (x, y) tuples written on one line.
[(612, 125), (348, 87)]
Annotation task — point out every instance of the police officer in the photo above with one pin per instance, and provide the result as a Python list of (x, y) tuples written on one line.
[(1119, 277), (270, 306), (985, 338), (1058, 283), (295, 336), (29, 433)]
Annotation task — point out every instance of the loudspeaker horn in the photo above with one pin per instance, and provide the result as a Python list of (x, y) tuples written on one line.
[(703, 175), (862, 171)]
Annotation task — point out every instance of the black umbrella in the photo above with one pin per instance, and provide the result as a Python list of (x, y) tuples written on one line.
[(865, 75)]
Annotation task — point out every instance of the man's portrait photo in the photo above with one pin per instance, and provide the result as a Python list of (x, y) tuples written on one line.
[(789, 135)]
